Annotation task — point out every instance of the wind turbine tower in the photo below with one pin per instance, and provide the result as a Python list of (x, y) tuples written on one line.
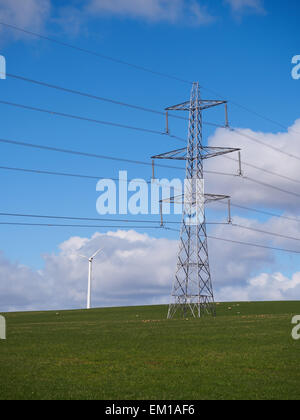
[(90, 260)]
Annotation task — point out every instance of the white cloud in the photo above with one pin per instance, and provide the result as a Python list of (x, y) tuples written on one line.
[(190, 11), (249, 193), (266, 287), (137, 269), (133, 269), (27, 14), (22, 287), (246, 6), (73, 17)]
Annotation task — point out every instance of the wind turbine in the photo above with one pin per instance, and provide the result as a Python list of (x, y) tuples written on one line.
[(90, 260)]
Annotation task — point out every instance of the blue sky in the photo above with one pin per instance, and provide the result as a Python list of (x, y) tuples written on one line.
[(241, 49)]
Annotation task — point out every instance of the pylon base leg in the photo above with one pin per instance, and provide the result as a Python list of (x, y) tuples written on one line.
[(195, 307)]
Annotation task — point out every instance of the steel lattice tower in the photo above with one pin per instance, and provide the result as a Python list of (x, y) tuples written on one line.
[(192, 292)]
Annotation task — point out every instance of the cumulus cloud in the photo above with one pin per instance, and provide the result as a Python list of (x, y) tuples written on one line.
[(21, 287), (137, 269), (233, 265), (248, 192), (133, 269), (265, 287)]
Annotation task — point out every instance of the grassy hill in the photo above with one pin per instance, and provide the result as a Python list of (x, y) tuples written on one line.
[(135, 353)]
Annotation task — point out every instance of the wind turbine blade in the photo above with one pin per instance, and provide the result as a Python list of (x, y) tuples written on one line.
[(83, 256), (96, 253)]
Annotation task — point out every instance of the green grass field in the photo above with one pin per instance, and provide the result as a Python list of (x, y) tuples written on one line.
[(247, 352)]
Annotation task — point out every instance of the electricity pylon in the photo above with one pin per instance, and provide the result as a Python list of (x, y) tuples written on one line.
[(192, 292)]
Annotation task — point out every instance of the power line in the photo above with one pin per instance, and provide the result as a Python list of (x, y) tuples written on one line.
[(80, 118), (262, 231), (39, 216), (144, 163), (275, 149), (85, 154), (92, 120), (245, 243), (148, 182), (136, 162), (79, 153), (72, 175), (155, 132), (94, 177), (88, 95), (146, 130), (103, 99), (109, 123), (138, 67), (77, 226), (251, 111), (64, 174), (267, 171), (266, 232), (137, 128), (142, 227), (83, 226), (96, 54), (264, 184), (42, 172), (91, 219), (264, 212), (122, 160), (291, 251)]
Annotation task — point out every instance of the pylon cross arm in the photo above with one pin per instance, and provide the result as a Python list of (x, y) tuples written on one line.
[(208, 198), (201, 105), (206, 153)]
